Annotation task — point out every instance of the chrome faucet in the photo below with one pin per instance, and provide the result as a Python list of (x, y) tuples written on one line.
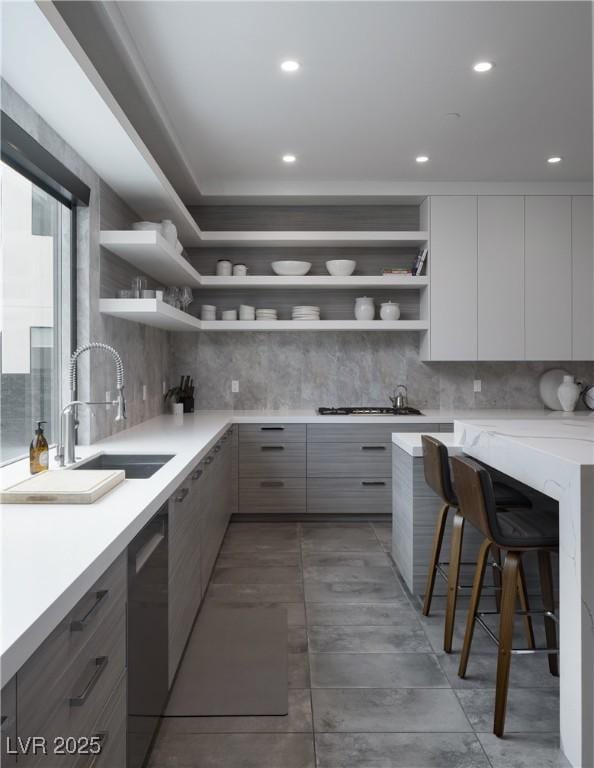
[(68, 420)]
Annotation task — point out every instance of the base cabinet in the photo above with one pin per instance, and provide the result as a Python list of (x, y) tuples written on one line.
[(318, 469)]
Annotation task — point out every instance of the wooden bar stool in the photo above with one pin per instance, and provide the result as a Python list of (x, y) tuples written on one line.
[(517, 532), (438, 477)]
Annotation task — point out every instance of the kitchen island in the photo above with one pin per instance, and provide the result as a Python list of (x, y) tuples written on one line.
[(554, 455)]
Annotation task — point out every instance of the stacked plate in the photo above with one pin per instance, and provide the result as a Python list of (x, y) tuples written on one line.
[(306, 313), (266, 314)]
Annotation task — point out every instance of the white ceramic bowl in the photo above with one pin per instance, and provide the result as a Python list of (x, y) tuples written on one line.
[(341, 267), (291, 268), (147, 225)]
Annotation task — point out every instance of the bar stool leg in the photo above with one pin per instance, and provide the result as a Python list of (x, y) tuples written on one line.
[(506, 631), (453, 580), (477, 588), (435, 553), (496, 555), (525, 606), (548, 600)]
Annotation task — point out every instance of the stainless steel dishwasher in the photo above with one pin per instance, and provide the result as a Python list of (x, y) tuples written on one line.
[(147, 635)]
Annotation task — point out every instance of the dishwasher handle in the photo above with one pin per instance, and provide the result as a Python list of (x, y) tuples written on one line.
[(145, 552)]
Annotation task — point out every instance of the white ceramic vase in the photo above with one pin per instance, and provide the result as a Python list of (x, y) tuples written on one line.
[(364, 308), (568, 393)]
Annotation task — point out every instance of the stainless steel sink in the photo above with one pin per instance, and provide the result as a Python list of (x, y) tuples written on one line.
[(136, 466)]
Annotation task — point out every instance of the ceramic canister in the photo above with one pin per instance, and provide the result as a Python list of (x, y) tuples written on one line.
[(390, 310), (364, 308), (223, 268)]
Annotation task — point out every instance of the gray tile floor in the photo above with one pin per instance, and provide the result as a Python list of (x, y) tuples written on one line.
[(370, 686)]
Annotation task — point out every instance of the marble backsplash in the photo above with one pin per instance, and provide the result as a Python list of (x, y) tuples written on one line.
[(304, 370)]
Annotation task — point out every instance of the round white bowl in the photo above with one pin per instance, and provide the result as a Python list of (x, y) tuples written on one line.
[(341, 267), (147, 225), (291, 268)]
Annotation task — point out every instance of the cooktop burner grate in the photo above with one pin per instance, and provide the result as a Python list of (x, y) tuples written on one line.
[(368, 411)]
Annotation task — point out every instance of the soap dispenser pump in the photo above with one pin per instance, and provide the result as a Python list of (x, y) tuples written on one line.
[(39, 451)]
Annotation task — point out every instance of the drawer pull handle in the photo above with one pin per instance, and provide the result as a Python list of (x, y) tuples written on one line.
[(208, 460), (272, 484), (102, 737), (79, 624), (373, 482), (373, 447), (272, 448), (181, 495), (217, 447), (197, 474), (272, 429), (100, 663), (3, 719)]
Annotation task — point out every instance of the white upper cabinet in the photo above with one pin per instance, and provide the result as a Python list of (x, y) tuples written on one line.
[(583, 279), (501, 277), (453, 277), (548, 275)]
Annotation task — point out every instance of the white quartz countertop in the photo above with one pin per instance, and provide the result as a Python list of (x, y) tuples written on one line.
[(51, 555), (410, 442)]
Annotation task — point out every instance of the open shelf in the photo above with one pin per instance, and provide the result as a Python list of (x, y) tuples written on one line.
[(151, 254), (323, 238), (314, 325), (315, 281), (150, 312)]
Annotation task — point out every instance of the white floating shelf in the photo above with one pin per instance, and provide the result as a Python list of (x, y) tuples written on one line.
[(350, 238), (150, 253), (314, 325), (150, 312), (315, 281)]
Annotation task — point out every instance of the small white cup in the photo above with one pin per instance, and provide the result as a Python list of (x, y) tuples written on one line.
[(239, 270), (230, 314), (178, 409)]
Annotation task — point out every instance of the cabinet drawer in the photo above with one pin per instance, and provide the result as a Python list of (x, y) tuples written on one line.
[(349, 496), (277, 496), (271, 460), (266, 433), (355, 433), (72, 705), (52, 671), (111, 729), (362, 459)]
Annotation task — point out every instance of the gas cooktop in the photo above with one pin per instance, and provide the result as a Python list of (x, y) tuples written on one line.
[(369, 411)]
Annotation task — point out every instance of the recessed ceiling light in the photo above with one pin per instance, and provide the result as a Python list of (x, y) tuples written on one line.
[(483, 66), (554, 160), (422, 159), (289, 158), (290, 65)]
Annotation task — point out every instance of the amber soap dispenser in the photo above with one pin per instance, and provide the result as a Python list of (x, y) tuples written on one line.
[(39, 451)]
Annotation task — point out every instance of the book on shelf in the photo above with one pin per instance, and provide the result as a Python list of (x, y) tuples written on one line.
[(402, 271), (419, 263)]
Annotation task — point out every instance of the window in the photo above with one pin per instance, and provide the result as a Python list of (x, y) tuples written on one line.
[(35, 316)]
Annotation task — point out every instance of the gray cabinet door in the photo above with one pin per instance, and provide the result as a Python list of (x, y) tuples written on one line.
[(8, 727), (453, 266), (548, 278), (266, 433), (184, 567), (501, 277), (583, 278), (280, 496)]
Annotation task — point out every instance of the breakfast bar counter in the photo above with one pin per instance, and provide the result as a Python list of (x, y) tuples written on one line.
[(556, 457)]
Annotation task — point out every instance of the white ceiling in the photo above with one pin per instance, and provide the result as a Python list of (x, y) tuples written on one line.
[(376, 82)]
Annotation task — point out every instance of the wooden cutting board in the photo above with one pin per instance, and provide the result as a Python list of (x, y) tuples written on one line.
[(83, 486)]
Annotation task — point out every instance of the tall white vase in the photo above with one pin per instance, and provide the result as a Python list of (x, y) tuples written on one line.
[(568, 393)]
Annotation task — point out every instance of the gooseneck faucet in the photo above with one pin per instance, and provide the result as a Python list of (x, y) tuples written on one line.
[(68, 421)]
